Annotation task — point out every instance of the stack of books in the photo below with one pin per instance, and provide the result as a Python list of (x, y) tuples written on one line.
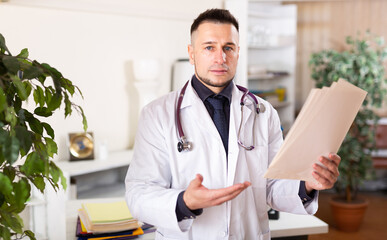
[(111, 220)]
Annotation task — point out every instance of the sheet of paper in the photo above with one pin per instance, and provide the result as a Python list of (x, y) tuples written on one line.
[(319, 129)]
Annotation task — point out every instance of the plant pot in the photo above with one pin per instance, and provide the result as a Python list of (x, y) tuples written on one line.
[(348, 216)]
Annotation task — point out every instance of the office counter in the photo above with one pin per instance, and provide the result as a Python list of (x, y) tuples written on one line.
[(288, 224)]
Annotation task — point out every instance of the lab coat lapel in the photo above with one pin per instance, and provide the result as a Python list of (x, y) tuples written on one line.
[(192, 102), (235, 119)]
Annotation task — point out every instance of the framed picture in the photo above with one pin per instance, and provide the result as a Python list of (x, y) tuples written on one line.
[(81, 146)]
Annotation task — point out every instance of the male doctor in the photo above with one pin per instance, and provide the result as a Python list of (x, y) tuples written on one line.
[(216, 190)]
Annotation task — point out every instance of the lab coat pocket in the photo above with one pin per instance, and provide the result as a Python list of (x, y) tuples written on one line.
[(257, 163)]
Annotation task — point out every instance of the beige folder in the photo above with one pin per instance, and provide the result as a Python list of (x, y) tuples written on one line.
[(319, 129)]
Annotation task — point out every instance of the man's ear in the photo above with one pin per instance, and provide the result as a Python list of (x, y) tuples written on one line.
[(191, 54)]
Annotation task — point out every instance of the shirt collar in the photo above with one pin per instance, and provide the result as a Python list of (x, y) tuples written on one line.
[(205, 92)]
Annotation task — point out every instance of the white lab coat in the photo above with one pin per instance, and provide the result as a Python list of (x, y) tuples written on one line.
[(158, 172)]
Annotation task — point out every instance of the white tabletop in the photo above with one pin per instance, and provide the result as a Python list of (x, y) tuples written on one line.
[(287, 225), (290, 224)]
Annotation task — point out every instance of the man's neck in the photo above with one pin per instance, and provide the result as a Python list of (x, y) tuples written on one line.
[(214, 89)]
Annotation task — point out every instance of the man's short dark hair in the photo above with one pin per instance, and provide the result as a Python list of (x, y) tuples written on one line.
[(215, 15)]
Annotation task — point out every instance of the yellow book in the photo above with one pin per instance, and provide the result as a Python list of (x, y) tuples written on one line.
[(107, 212), (106, 227)]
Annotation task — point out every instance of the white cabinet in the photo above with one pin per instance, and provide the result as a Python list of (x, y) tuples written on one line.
[(271, 63), (268, 33)]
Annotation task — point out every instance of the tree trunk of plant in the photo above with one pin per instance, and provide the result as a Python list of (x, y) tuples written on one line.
[(348, 195)]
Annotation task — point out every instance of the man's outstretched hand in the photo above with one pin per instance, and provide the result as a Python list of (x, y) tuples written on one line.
[(198, 196)]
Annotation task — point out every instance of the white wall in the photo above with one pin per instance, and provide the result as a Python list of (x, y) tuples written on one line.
[(93, 43)]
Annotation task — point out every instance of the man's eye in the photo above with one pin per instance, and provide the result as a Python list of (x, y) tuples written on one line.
[(228, 48), (209, 48)]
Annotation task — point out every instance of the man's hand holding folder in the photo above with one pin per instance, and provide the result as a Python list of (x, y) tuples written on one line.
[(308, 151)]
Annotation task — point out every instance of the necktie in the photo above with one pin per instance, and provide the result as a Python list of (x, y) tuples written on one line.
[(219, 118)]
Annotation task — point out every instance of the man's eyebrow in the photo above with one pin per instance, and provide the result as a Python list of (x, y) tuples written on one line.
[(231, 43), (212, 42), (208, 42)]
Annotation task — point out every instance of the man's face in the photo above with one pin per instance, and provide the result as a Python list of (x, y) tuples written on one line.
[(214, 50)]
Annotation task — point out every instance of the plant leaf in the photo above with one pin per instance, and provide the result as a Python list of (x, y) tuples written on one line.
[(6, 185), (68, 85), (32, 72), (28, 87), (22, 193), (35, 125), (39, 96), (43, 111), (25, 138), (3, 136), (20, 88), (84, 120), (30, 234), (52, 148), (49, 130), (23, 53), (10, 116), (63, 180), (10, 172), (3, 100), (54, 101), (54, 171), (11, 149), (3, 46), (39, 183), (68, 108), (12, 64), (13, 221), (33, 164), (5, 232)]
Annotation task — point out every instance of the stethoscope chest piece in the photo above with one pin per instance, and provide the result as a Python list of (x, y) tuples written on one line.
[(183, 145)]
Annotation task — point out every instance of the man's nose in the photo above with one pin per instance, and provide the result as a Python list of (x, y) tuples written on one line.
[(220, 57)]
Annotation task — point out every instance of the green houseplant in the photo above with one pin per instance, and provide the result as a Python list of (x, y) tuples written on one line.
[(27, 143), (361, 65)]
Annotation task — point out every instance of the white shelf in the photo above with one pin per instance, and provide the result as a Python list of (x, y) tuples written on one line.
[(114, 160), (268, 76), (271, 47)]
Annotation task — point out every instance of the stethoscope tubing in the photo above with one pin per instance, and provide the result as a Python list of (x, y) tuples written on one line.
[(184, 145)]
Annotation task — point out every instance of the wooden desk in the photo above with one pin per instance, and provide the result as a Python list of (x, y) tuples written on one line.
[(288, 224)]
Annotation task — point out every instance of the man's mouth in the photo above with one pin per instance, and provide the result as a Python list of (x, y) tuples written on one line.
[(219, 70)]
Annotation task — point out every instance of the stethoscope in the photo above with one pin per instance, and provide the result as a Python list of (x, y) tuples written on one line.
[(184, 145)]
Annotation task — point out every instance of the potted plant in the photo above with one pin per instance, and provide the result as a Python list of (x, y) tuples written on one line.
[(27, 143), (361, 65)]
